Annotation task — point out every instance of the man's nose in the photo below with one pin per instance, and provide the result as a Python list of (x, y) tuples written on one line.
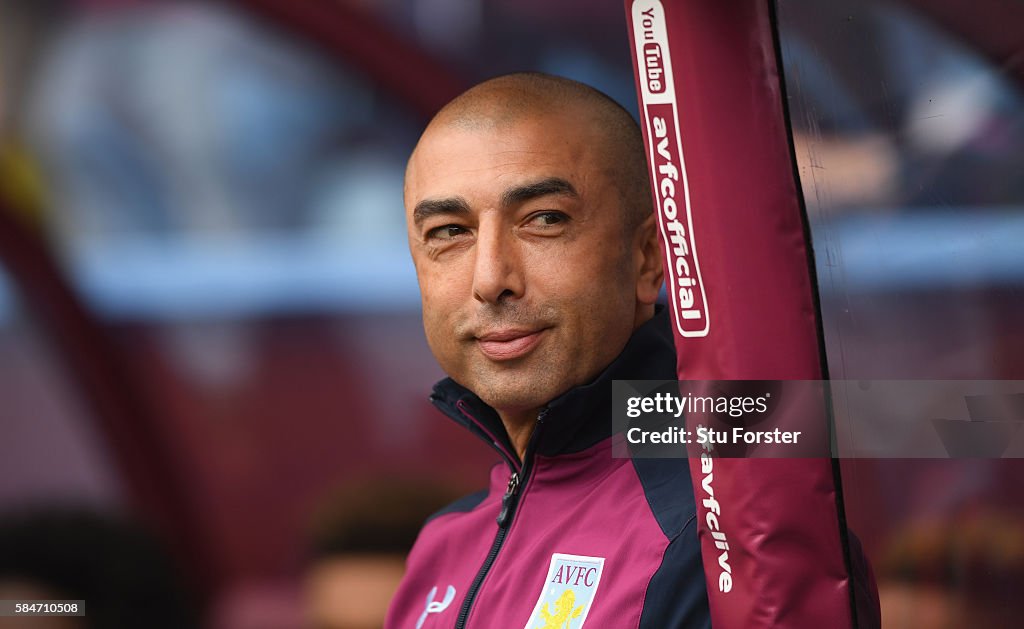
[(497, 274)]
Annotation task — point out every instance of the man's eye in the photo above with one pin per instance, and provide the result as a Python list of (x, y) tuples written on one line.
[(446, 232), (544, 219)]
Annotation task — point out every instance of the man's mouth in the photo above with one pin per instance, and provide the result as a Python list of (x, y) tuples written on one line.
[(508, 344)]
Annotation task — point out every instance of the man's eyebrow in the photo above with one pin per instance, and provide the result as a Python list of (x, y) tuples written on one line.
[(427, 208), (544, 187)]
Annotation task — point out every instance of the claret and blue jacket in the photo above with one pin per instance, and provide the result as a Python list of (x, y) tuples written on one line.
[(567, 537)]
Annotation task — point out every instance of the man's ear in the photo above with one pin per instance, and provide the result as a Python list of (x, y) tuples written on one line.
[(647, 255)]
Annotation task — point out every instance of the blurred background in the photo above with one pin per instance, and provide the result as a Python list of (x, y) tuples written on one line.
[(210, 339)]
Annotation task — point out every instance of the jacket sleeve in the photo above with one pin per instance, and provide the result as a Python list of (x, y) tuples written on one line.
[(677, 596)]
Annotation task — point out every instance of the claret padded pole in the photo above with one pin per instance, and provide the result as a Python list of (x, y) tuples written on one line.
[(740, 282)]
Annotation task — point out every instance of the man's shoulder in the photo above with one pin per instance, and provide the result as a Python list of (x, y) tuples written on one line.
[(464, 504)]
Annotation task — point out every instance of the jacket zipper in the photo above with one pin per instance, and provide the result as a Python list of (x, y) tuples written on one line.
[(509, 502)]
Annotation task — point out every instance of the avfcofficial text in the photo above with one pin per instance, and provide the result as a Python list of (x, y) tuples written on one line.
[(675, 231), (684, 284)]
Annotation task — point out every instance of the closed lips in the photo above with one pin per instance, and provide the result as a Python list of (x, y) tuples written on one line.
[(508, 344)]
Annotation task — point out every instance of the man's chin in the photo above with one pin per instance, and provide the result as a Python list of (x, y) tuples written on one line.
[(513, 395)]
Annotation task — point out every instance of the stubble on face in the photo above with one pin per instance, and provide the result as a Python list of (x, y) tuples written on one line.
[(577, 289), (577, 285), (518, 385)]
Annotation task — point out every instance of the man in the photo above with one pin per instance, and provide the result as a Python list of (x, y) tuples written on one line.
[(531, 229)]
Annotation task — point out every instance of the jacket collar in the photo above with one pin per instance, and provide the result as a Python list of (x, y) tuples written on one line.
[(580, 417)]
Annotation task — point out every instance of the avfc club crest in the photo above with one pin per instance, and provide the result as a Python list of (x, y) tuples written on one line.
[(568, 593)]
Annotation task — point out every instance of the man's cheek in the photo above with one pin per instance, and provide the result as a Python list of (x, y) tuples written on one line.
[(440, 296)]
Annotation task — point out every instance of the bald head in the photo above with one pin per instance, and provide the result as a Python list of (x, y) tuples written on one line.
[(504, 101)]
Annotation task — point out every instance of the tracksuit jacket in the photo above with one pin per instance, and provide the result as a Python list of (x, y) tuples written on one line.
[(569, 537)]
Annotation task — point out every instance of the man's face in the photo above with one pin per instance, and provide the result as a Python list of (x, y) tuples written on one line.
[(527, 273)]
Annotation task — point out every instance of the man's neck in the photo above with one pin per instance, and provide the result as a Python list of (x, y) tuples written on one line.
[(520, 427)]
